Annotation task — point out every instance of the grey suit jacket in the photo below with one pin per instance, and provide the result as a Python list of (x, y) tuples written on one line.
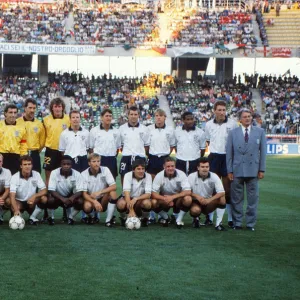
[(246, 159)]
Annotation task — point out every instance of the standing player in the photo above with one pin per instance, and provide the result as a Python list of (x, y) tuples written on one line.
[(162, 141), (65, 189), (216, 132), (137, 193), (99, 190), (74, 141), (13, 139), (171, 189), (23, 190), (5, 176), (190, 144), (35, 132), (105, 140), (207, 193), (54, 124), (134, 140)]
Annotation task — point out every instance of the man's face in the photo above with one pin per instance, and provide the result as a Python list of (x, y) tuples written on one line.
[(133, 117), (26, 166), (188, 121), (220, 113), (57, 110), (66, 165), (11, 115), (203, 169), (246, 119), (95, 164), (106, 119), (169, 168), (139, 172), (30, 111), (75, 119), (159, 120)]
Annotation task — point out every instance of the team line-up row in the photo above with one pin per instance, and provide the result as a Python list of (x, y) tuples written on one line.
[(237, 157)]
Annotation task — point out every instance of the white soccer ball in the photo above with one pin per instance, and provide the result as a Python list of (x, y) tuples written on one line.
[(133, 223), (16, 223)]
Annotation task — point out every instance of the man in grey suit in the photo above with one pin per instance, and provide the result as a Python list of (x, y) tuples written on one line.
[(246, 164)]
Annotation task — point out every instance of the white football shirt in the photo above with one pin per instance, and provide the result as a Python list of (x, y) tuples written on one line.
[(137, 187), (170, 186), (217, 134), (5, 177), (65, 186), (134, 139), (25, 188)]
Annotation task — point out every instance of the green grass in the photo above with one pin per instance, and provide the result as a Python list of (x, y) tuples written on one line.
[(95, 262)]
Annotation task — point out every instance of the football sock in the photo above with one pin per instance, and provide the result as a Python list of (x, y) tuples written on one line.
[(211, 216), (164, 215), (51, 213), (69, 212), (123, 215), (145, 214), (110, 210), (220, 214), (74, 213), (1, 213), (35, 213), (83, 215), (229, 212), (175, 215), (180, 216), (152, 215)]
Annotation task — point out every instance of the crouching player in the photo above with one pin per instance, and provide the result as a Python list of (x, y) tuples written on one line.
[(208, 194), (99, 189), (137, 187), (171, 189), (5, 176), (65, 190), (27, 190)]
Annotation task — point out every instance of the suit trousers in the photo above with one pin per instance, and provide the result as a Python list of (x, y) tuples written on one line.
[(237, 200)]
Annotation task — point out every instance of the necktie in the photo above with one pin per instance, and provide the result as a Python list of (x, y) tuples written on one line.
[(246, 135)]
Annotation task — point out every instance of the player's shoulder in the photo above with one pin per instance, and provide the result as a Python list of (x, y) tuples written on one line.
[(214, 176), (75, 173), (124, 126), (16, 176), (180, 174), (193, 175), (20, 120), (148, 176), (6, 172)]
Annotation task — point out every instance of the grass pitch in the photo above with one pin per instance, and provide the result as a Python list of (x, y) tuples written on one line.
[(94, 262)]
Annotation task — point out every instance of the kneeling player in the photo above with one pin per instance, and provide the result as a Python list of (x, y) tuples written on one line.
[(137, 192), (5, 176), (65, 190), (208, 194), (27, 190), (171, 189), (99, 191)]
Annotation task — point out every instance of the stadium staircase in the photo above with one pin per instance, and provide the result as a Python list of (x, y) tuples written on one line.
[(256, 31), (163, 104), (285, 30), (256, 97), (69, 27)]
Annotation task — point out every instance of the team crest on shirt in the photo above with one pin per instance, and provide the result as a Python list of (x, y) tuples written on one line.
[(211, 185), (141, 134), (83, 137), (115, 136), (17, 133), (143, 184), (178, 184), (228, 129), (103, 179), (73, 183), (64, 126), (2, 181), (34, 183), (35, 129), (195, 138)]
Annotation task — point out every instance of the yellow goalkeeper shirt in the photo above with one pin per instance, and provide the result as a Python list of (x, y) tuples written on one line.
[(35, 133), (13, 139), (54, 127)]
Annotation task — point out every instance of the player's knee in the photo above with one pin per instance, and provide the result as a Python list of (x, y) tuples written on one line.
[(222, 201), (52, 203), (154, 204), (78, 203), (146, 204), (87, 207), (195, 211), (187, 201), (121, 205), (7, 203)]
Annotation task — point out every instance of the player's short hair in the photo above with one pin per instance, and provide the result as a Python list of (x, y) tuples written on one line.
[(202, 160), (57, 101), (66, 157), (25, 158), (29, 100), (169, 159), (10, 106), (133, 108), (219, 103), (160, 112), (92, 156), (106, 110), (74, 111), (243, 110), (137, 163), (186, 114)]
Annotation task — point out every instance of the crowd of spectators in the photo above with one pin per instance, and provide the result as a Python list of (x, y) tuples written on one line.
[(32, 22), (198, 96), (281, 96), (210, 28)]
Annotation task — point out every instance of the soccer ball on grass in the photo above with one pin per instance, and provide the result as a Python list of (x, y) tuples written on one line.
[(133, 223), (16, 223)]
